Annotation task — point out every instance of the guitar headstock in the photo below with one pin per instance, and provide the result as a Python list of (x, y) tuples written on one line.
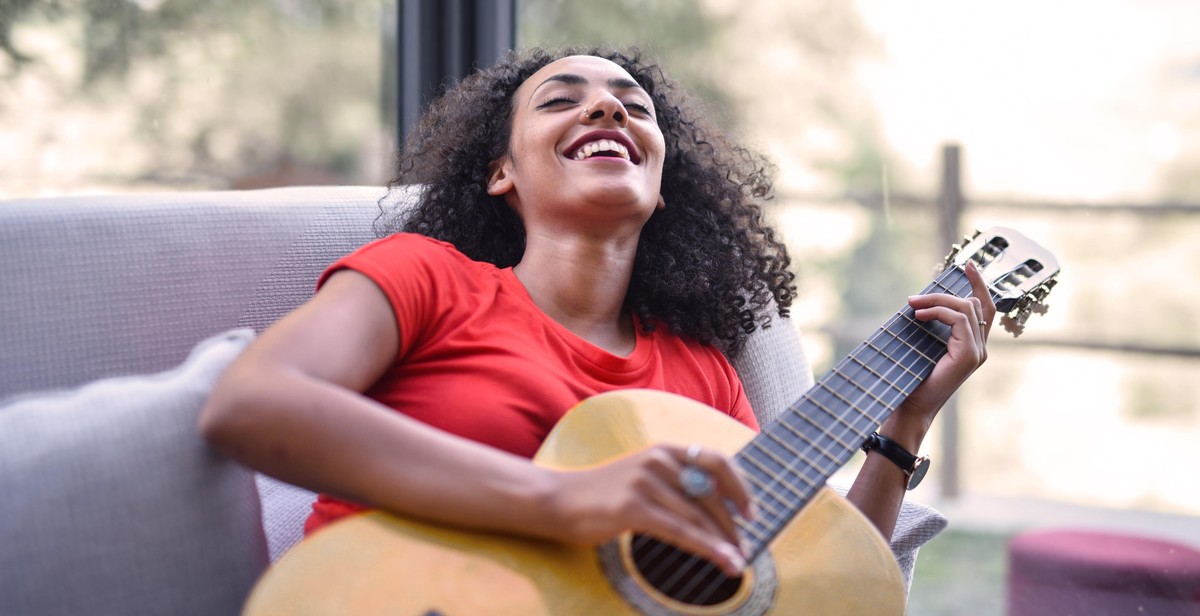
[(1018, 271)]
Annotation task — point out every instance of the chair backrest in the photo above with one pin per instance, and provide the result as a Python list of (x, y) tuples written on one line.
[(111, 285), (127, 284)]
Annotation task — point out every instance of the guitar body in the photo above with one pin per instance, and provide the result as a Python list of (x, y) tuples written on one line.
[(828, 560)]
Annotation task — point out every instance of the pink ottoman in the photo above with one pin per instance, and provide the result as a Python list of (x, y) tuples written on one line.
[(1067, 572)]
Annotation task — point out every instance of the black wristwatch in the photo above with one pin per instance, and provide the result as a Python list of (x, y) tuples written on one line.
[(913, 466)]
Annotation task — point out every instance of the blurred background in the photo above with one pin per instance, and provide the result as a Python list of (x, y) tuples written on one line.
[(1077, 122)]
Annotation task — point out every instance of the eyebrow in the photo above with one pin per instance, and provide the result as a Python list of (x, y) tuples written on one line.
[(618, 83)]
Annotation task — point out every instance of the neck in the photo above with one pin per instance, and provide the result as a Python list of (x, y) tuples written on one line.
[(581, 283)]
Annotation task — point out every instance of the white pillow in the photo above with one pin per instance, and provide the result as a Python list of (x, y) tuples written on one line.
[(111, 502)]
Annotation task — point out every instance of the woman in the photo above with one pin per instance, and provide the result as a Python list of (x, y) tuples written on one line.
[(599, 237)]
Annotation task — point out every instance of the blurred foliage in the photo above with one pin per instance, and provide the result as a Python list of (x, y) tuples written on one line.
[(119, 33), (894, 260), (192, 91)]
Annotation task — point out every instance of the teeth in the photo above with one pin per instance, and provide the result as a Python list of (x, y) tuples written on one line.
[(601, 145)]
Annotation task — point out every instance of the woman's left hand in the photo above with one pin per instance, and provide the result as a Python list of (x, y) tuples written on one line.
[(970, 319)]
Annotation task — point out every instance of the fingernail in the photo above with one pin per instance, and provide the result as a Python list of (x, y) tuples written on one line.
[(734, 556)]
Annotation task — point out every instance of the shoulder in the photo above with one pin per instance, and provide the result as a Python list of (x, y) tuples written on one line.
[(405, 255), (411, 246)]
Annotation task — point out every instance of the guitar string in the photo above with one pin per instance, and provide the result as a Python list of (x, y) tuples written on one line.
[(847, 426), (706, 566), (895, 362), (910, 356), (639, 542)]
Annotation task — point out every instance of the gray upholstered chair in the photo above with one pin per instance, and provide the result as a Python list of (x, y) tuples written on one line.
[(113, 504)]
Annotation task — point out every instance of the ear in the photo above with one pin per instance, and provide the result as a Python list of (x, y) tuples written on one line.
[(662, 203), (499, 177)]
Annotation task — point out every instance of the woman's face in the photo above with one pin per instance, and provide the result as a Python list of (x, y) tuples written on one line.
[(585, 149)]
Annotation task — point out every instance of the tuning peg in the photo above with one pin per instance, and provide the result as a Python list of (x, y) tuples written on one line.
[(941, 267), (1012, 326)]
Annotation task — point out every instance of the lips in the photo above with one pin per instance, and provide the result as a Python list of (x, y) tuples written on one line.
[(603, 143)]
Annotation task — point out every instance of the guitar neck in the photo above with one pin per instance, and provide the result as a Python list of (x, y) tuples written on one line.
[(790, 460)]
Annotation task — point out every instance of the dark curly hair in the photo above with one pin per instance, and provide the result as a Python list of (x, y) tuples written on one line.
[(707, 266)]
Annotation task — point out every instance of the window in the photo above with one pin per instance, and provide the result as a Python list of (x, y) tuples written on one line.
[(116, 95)]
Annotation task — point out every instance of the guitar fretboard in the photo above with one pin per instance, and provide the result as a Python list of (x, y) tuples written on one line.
[(791, 459)]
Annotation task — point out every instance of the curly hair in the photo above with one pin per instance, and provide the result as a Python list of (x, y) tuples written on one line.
[(707, 266)]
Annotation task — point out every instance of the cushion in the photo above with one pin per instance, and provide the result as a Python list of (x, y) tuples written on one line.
[(115, 505), (285, 507), (1061, 570)]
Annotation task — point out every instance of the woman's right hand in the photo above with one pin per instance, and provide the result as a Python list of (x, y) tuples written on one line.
[(641, 492)]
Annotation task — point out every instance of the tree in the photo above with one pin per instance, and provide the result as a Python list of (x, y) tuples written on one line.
[(189, 92)]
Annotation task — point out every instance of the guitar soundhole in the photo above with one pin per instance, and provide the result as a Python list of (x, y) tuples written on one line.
[(680, 575)]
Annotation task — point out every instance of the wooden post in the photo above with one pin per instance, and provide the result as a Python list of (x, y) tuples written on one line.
[(950, 206)]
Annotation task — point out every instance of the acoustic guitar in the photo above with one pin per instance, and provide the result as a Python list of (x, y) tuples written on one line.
[(811, 551)]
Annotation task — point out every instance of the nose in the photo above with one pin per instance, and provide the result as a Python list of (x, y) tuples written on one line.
[(606, 106)]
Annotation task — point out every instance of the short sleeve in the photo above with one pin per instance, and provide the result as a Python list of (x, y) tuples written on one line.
[(413, 272)]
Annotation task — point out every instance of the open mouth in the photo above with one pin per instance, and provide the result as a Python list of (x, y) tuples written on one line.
[(604, 147), (603, 144)]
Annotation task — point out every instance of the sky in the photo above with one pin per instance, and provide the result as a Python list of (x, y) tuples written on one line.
[(1066, 100)]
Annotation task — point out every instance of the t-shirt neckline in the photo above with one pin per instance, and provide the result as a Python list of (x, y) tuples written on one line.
[(643, 343)]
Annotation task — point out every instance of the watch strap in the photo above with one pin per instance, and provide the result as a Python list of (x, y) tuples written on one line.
[(914, 467)]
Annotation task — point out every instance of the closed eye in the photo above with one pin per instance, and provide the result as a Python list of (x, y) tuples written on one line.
[(640, 108), (558, 100)]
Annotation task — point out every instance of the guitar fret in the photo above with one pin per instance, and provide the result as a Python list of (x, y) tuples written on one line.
[(785, 466), (856, 385), (915, 365), (909, 345), (938, 283), (822, 429), (878, 375), (933, 329), (899, 340), (749, 528), (841, 417), (799, 456), (765, 490), (840, 397), (836, 416), (829, 422), (777, 459), (898, 363)]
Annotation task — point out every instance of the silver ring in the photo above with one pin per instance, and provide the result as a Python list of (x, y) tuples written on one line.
[(983, 323), (695, 482)]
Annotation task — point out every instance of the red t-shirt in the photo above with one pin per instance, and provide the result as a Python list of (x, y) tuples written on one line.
[(477, 358)]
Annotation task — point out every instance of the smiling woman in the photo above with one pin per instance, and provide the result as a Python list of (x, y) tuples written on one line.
[(709, 243), (551, 177), (533, 273)]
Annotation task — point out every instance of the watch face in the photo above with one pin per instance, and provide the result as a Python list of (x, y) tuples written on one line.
[(918, 473)]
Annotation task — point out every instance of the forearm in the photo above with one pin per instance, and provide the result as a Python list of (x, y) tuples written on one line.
[(879, 489), (330, 439)]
